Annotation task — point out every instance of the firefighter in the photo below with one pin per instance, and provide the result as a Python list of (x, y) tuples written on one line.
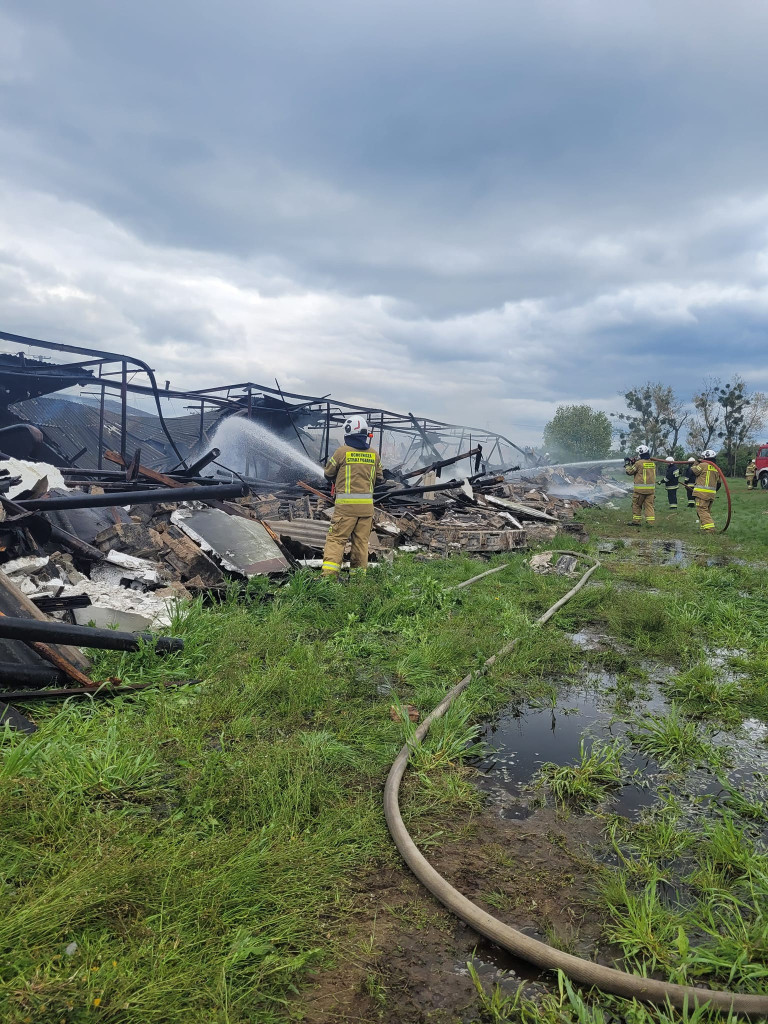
[(671, 481), (707, 485), (690, 482), (751, 474), (354, 471), (643, 469)]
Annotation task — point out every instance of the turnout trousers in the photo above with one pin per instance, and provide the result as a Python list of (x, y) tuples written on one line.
[(347, 523), (672, 497), (691, 499), (703, 506), (643, 505)]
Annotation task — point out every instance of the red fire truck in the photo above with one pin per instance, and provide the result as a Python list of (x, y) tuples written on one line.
[(761, 461)]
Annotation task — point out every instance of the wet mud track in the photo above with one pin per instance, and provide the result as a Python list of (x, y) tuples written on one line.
[(408, 957)]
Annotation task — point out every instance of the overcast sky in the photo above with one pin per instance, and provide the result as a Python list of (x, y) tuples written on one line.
[(475, 211)]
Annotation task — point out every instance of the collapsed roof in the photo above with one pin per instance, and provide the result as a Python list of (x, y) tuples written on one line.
[(77, 433)]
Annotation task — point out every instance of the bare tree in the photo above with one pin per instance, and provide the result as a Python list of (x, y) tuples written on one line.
[(656, 417), (677, 417), (743, 415), (704, 428)]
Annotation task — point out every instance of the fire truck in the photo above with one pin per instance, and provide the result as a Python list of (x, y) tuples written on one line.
[(761, 461)]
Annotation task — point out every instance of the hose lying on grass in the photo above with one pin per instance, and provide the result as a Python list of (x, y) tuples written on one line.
[(609, 979)]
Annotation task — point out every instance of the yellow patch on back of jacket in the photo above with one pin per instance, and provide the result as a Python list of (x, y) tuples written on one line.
[(368, 457)]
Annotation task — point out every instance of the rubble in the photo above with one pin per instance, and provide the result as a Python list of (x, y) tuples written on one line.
[(29, 476), (238, 545), (564, 566), (116, 537)]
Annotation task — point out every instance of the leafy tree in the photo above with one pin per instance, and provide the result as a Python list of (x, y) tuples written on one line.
[(655, 417), (742, 416), (577, 433)]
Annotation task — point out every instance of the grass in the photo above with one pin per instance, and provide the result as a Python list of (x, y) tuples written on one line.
[(597, 771), (206, 848), (714, 925), (198, 845), (567, 1005), (674, 741), (688, 898)]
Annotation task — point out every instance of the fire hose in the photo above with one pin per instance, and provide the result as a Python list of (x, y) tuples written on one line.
[(586, 972), (664, 462)]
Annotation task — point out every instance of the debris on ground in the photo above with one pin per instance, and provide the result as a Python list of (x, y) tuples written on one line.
[(564, 566), (396, 713), (108, 538)]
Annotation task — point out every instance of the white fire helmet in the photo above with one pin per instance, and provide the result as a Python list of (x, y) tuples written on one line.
[(691, 459), (709, 454), (670, 458), (643, 449), (356, 425)]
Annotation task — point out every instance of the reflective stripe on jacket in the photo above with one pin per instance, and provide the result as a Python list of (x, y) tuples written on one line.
[(355, 474), (707, 479), (644, 472), (672, 477), (751, 470)]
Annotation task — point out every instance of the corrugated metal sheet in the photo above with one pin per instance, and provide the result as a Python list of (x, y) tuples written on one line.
[(310, 533), (72, 426), (239, 545)]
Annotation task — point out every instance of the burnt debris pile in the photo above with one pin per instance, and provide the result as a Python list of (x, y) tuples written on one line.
[(90, 567), (111, 513), (483, 513)]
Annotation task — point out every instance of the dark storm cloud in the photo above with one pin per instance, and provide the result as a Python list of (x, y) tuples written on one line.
[(515, 203)]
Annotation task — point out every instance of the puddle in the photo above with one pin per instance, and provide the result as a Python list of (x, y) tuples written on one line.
[(524, 737), (496, 966), (589, 639), (721, 657), (756, 730), (664, 552)]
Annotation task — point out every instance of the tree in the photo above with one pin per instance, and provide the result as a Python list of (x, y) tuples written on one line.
[(709, 413), (656, 417), (742, 416), (577, 433)]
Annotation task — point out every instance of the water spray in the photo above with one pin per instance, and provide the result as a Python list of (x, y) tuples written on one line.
[(565, 465), (240, 439)]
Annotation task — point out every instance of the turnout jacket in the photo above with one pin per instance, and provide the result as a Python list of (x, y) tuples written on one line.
[(644, 472), (355, 473), (751, 470), (707, 479), (672, 477)]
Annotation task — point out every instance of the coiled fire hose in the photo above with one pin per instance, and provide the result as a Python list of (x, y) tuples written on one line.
[(586, 972)]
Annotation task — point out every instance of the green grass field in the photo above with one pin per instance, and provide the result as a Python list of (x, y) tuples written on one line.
[(189, 856)]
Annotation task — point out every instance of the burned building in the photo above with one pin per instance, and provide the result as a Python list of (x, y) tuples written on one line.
[(78, 429)]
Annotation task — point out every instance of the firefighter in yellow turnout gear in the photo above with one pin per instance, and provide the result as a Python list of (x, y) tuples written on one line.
[(643, 469), (751, 474), (706, 488), (354, 470)]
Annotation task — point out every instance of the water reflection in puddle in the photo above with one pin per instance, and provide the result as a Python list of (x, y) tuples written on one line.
[(524, 737)]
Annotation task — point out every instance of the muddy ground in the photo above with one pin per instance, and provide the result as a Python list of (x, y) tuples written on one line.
[(533, 867), (408, 956)]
